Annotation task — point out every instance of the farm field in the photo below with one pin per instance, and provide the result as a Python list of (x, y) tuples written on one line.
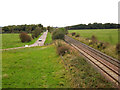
[(41, 67), (48, 38), (36, 67), (106, 35), (13, 40)]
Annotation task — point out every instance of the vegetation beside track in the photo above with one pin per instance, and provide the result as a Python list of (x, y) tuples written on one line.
[(83, 75), (109, 48)]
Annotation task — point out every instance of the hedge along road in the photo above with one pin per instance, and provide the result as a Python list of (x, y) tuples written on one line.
[(37, 43)]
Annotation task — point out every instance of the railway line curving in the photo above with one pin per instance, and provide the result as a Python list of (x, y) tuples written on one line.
[(107, 65)]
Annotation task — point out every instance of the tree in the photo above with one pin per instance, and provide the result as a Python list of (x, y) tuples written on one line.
[(6, 29), (58, 34), (24, 37), (36, 32)]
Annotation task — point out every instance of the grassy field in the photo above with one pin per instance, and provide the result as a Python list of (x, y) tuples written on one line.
[(41, 67), (48, 38), (0, 41), (13, 40), (107, 35), (37, 67)]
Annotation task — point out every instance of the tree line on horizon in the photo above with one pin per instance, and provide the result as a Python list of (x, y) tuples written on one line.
[(22, 28), (94, 26), (32, 27)]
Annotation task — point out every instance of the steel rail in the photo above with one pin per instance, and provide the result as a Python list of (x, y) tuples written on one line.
[(78, 45)]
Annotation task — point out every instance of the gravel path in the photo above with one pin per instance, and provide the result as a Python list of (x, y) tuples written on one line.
[(37, 43)]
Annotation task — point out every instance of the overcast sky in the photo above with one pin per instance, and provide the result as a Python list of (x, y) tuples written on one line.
[(58, 12)]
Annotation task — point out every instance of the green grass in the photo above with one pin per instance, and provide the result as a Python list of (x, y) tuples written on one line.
[(48, 38), (13, 40), (0, 41), (84, 74), (36, 67), (106, 35)]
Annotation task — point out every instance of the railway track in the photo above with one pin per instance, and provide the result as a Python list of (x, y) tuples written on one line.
[(108, 66)]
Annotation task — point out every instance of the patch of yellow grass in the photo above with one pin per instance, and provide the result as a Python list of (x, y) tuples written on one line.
[(5, 76)]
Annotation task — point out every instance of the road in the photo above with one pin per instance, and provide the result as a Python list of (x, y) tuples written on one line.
[(40, 43), (37, 43)]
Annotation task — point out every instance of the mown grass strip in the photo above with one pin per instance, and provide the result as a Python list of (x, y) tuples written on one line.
[(48, 38)]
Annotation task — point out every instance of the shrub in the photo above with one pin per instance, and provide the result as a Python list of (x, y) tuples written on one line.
[(58, 34), (87, 39), (90, 42), (24, 37), (62, 50), (94, 39), (59, 43), (102, 45), (36, 32), (77, 35), (118, 48), (65, 31), (73, 33)]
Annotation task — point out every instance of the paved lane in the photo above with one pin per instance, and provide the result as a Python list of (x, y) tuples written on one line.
[(40, 43)]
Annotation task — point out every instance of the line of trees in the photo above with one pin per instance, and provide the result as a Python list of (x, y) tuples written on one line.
[(22, 28), (94, 26)]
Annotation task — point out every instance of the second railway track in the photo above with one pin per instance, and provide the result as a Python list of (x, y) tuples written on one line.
[(106, 64)]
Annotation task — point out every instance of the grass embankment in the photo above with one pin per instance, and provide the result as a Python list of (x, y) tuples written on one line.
[(103, 35), (48, 38), (13, 40), (106, 35), (0, 41), (83, 75), (37, 67)]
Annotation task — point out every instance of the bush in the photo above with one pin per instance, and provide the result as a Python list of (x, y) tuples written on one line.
[(58, 34), (62, 50), (36, 32), (118, 48), (77, 35), (59, 43), (73, 33), (102, 45), (87, 39), (65, 31), (94, 39), (24, 37)]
